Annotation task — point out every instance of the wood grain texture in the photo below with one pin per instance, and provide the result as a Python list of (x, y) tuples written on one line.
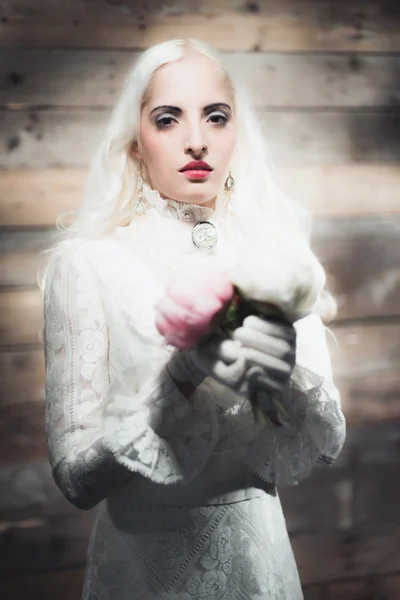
[(36, 197), (44, 544), (312, 592), (343, 520), (22, 375), (84, 78), (285, 25), (363, 349), (353, 590), (345, 498), (21, 322), (66, 584), (390, 587), (368, 395), (21, 317), (327, 556), (42, 497), (22, 425), (321, 557), (24, 256), (375, 488), (333, 124), (61, 584), (31, 492), (366, 401), (49, 139), (22, 432), (65, 138), (359, 255), (361, 258), (340, 191), (315, 505)]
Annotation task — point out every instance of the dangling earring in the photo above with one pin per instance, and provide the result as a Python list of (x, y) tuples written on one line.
[(141, 203), (229, 183)]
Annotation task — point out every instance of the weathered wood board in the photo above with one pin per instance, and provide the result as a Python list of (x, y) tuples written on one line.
[(21, 377), (361, 258), (21, 317), (31, 492), (324, 77), (36, 197), (367, 588), (348, 494), (69, 138), (366, 400), (369, 384), (66, 584), (326, 556), (279, 25), (61, 584), (87, 78), (44, 544)]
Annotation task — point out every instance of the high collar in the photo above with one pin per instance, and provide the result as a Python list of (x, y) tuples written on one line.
[(180, 211)]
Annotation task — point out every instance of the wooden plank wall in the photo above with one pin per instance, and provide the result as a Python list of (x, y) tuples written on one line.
[(324, 75)]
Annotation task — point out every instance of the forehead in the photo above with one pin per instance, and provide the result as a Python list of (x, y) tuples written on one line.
[(190, 81)]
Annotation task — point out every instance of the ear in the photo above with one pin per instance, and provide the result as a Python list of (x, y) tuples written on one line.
[(134, 151)]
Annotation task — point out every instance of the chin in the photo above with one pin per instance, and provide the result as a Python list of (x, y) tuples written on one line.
[(199, 193)]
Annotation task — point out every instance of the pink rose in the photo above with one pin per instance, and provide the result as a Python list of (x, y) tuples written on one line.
[(191, 301)]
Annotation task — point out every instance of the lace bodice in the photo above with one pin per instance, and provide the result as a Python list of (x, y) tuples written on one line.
[(188, 481), (113, 410)]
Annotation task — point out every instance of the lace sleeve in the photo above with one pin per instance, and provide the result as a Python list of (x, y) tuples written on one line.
[(157, 431), (77, 381), (316, 427), (101, 428)]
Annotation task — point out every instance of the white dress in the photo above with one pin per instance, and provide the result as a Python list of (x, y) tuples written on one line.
[(186, 489)]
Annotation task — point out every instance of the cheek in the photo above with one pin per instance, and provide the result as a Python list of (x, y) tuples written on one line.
[(152, 145), (226, 146)]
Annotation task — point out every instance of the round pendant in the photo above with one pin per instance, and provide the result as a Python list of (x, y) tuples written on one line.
[(204, 235)]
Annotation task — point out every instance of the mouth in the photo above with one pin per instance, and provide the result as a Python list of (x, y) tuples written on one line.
[(196, 169)]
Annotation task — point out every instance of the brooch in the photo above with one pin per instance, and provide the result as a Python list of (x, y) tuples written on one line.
[(204, 235)]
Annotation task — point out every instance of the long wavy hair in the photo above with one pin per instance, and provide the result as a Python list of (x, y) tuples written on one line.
[(110, 193)]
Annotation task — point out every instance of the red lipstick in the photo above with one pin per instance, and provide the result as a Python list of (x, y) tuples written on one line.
[(196, 169)]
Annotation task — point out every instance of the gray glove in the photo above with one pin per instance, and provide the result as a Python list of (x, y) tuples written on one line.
[(270, 346), (213, 357), (261, 356)]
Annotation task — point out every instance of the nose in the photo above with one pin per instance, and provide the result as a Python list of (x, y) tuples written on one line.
[(196, 143)]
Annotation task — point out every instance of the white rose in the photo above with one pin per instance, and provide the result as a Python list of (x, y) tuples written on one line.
[(268, 273)]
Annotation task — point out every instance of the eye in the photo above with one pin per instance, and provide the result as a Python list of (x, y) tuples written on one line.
[(218, 118), (165, 121)]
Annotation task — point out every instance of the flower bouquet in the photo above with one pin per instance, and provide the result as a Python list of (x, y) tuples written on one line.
[(214, 300)]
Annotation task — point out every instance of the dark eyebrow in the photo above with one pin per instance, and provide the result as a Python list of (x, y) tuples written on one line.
[(166, 108), (217, 105), (176, 110)]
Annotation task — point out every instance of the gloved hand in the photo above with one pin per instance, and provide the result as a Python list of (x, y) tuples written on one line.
[(212, 357), (269, 346), (261, 355)]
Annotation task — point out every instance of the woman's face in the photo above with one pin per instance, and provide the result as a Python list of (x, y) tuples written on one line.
[(188, 116)]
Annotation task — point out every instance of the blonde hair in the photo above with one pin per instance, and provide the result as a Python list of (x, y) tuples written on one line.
[(111, 189)]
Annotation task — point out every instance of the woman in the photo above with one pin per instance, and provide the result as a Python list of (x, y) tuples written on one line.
[(164, 440)]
